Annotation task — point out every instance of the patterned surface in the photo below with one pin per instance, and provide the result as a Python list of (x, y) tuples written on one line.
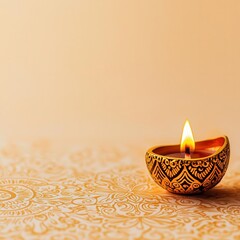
[(105, 193)]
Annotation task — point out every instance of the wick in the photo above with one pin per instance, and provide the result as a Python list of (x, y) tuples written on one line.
[(187, 152)]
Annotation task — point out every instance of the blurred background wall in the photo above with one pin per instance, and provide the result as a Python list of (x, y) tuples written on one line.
[(120, 70)]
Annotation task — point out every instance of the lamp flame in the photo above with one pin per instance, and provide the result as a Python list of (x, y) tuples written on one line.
[(187, 142)]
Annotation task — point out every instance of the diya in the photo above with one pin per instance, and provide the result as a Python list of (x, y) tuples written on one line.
[(191, 167)]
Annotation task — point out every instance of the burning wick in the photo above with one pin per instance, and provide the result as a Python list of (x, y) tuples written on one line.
[(187, 152)]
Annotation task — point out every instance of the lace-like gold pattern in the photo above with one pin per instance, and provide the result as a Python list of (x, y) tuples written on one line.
[(105, 193)]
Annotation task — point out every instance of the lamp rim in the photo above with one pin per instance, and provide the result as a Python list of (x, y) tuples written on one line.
[(152, 150)]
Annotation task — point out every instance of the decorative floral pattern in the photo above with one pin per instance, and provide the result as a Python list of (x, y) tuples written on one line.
[(105, 193), (184, 176)]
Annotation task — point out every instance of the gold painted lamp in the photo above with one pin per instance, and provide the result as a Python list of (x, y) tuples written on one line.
[(189, 168)]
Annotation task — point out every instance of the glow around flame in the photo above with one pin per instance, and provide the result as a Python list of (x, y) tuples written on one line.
[(187, 138)]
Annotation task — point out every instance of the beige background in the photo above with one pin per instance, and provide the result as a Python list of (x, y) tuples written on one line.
[(119, 71)]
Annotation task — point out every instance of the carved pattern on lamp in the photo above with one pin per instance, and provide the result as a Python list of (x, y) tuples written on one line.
[(189, 176)]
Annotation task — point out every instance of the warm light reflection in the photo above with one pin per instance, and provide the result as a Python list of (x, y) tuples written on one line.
[(187, 142)]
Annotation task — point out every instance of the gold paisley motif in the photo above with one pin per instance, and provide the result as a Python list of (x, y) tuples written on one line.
[(12, 193)]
